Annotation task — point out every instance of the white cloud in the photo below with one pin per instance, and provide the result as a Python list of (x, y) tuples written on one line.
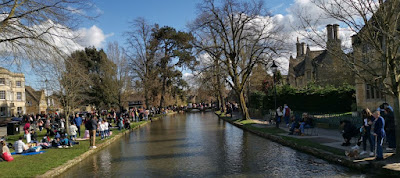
[(292, 29), (93, 36)]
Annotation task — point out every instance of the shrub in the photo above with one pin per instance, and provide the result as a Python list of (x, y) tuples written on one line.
[(311, 99)]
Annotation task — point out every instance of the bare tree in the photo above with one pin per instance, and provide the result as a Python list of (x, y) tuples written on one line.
[(40, 30), (119, 57), (210, 67), (142, 53), (248, 37), (374, 57)]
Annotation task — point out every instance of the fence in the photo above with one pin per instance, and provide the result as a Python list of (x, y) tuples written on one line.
[(333, 119)]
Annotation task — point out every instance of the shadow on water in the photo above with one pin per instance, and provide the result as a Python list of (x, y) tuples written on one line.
[(153, 157), (199, 144), (156, 141)]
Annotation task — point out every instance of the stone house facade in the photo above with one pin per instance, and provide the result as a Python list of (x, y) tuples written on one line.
[(12, 93), (322, 67), (36, 102)]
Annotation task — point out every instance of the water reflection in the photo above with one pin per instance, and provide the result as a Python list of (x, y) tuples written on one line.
[(200, 145)]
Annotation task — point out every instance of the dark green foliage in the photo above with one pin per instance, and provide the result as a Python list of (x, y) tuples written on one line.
[(256, 100), (312, 99), (99, 87)]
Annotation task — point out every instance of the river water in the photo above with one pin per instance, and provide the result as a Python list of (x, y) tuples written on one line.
[(200, 145)]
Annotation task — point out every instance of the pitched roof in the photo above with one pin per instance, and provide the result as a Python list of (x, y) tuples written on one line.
[(299, 69), (36, 95), (316, 57)]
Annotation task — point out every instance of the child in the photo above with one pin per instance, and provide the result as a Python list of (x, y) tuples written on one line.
[(107, 129), (102, 128)]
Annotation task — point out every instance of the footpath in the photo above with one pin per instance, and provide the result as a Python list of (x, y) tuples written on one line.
[(320, 142)]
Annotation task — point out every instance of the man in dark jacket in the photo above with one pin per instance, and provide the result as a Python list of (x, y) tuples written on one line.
[(349, 131), (92, 127)]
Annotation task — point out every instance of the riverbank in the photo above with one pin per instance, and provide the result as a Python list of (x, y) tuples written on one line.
[(55, 161), (313, 147)]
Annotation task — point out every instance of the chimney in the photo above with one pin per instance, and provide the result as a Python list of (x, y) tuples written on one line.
[(298, 48), (353, 39), (303, 48), (329, 31), (335, 31)]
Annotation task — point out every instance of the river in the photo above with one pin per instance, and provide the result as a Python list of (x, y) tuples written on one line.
[(200, 145)]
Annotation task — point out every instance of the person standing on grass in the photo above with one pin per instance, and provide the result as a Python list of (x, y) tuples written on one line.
[(286, 114), (78, 123), (379, 133), (92, 127), (72, 131)]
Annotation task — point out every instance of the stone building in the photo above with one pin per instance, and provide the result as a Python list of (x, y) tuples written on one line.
[(35, 101), (322, 67), (12, 93), (371, 66)]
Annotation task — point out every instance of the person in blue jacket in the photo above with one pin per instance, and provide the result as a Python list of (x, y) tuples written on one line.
[(379, 133), (78, 123)]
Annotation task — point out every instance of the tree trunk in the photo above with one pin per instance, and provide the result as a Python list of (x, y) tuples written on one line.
[(243, 107), (146, 96), (396, 110), (162, 92)]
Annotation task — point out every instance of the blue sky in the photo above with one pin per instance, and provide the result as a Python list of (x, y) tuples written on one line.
[(116, 15)]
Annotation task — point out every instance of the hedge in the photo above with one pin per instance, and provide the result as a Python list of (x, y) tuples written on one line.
[(311, 99)]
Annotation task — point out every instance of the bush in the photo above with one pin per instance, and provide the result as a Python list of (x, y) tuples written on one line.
[(312, 99), (256, 100)]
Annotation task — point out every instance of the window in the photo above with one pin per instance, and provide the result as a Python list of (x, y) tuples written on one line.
[(366, 53), (3, 111), (19, 96), (19, 110), (373, 92), (2, 81), (2, 95), (18, 83)]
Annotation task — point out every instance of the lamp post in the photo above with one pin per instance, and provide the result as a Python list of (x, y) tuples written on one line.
[(274, 69)]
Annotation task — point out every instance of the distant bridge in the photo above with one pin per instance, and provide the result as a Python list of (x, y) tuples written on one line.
[(198, 109)]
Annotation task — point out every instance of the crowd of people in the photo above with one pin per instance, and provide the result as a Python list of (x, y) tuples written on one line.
[(96, 124), (376, 127)]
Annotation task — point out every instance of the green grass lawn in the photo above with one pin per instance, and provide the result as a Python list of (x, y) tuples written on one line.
[(30, 166)]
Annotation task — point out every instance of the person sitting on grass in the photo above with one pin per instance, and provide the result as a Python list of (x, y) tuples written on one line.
[(294, 125), (19, 146), (307, 122), (64, 142), (4, 150), (349, 131), (33, 136), (55, 143)]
